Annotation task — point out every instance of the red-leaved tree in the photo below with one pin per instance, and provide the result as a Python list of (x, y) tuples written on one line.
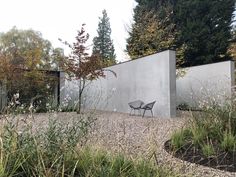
[(82, 66)]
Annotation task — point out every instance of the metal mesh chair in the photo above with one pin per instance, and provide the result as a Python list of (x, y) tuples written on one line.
[(148, 106), (135, 105)]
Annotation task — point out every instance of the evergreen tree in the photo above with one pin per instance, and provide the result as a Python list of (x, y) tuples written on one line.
[(153, 29), (103, 45), (205, 29), (232, 48), (198, 30)]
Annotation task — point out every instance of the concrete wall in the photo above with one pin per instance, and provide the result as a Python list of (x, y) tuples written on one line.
[(205, 83), (151, 78), (69, 91)]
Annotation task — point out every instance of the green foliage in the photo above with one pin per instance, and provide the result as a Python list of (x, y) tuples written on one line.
[(45, 152), (24, 56), (27, 49), (204, 27), (207, 149), (59, 150), (229, 142), (218, 118), (102, 44), (212, 130), (151, 32), (79, 65), (99, 163), (35, 87), (198, 30), (183, 106), (179, 138), (198, 135), (232, 48)]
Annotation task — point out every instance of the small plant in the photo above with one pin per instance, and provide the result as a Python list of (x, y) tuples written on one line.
[(179, 138), (60, 149), (183, 106), (198, 135), (213, 134), (99, 163), (207, 149), (229, 142)]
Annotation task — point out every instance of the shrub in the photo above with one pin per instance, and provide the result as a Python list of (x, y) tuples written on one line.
[(59, 149), (99, 163), (179, 138), (30, 152), (214, 123), (198, 135), (229, 142), (207, 149), (213, 135), (183, 106)]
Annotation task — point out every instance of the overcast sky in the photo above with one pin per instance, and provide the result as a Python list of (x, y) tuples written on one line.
[(62, 18)]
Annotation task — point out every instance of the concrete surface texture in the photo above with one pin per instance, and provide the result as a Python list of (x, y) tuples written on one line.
[(206, 83), (69, 91), (151, 78)]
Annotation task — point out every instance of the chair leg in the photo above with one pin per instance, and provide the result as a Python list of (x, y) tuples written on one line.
[(130, 112), (152, 113), (144, 112)]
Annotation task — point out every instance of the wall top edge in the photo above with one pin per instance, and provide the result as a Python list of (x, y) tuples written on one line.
[(220, 62), (141, 57)]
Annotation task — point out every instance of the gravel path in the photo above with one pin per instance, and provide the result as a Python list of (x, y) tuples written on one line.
[(137, 137)]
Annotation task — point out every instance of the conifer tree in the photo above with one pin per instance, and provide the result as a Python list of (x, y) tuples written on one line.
[(198, 30), (232, 48), (205, 29), (153, 29), (103, 44)]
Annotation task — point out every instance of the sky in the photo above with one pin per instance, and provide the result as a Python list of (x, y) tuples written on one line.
[(62, 18)]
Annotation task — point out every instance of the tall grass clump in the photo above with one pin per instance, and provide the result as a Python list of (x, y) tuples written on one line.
[(49, 151), (212, 135), (207, 149), (216, 122), (59, 149), (228, 143), (179, 138), (99, 163)]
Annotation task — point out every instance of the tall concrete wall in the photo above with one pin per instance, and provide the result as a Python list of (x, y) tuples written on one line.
[(151, 78), (205, 83), (69, 91)]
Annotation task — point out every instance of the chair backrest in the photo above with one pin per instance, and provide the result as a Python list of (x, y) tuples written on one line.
[(149, 105)]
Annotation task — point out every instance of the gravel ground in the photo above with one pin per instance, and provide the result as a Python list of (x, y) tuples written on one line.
[(137, 137)]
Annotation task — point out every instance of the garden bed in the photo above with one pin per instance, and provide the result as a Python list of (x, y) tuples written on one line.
[(136, 137), (209, 138), (222, 160)]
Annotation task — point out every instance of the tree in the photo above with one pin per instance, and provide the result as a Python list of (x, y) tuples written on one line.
[(198, 30), (232, 48), (151, 31), (80, 65), (24, 56), (28, 83), (102, 44), (21, 45), (204, 28)]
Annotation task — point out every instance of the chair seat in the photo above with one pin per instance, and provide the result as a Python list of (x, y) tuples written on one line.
[(136, 104)]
